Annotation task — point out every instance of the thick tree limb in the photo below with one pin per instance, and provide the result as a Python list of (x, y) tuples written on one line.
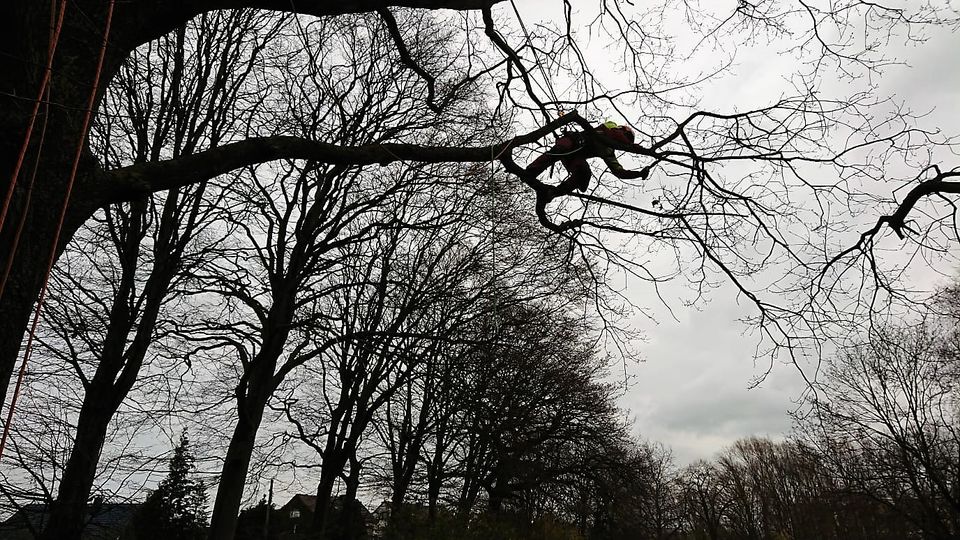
[(134, 181), (937, 184), (397, 36), (148, 20)]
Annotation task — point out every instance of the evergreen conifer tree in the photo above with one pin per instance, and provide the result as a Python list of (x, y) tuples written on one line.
[(177, 510)]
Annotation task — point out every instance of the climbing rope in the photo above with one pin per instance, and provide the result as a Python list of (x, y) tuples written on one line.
[(15, 243), (493, 238), (547, 81), (88, 114), (44, 82)]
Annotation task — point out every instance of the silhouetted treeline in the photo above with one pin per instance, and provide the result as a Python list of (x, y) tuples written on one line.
[(875, 454)]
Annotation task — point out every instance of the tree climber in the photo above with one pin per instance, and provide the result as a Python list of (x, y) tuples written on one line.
[(574, 148)]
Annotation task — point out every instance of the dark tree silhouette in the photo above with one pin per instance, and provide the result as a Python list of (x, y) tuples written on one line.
[(108, 304), (885, 422), (177, 510), (286, 170), (711, 216)]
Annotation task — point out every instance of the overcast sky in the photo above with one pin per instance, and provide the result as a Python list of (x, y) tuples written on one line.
[(692, 392)]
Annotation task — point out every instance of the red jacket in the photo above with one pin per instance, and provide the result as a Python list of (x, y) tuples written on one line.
[(619, 135)]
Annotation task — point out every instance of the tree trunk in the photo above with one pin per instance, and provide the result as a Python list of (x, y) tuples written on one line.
[(233, 476), (68, 511), (351, 524), (332, 466), (27, 256), (435, 475), (23, 53), (403, 475)]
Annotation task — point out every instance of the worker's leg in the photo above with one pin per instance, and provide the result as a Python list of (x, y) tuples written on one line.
[(579, 177), (564, 145)]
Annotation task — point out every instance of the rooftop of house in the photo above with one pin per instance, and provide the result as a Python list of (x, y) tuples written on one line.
[(309, 503), (106, 521), (303, 501)]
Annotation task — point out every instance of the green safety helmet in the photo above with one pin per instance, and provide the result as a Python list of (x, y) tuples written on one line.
[(610, 124)]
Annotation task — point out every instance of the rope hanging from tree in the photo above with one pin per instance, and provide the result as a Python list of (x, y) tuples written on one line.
[(547, 81), (44, 82), (87, 116)]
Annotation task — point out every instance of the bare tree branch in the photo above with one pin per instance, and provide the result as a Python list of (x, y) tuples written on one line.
[(130, 182)]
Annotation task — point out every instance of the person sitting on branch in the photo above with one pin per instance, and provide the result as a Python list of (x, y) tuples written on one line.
[(573, 149)]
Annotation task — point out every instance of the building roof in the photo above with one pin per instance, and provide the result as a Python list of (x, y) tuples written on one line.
[(310, 503), (306, 501), (106, 521)]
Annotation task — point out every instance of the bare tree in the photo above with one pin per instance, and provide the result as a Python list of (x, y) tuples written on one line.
[(385, 309), (111, 294), (758, 488), (885, 422), (704, 501), (504, 445), (293, 229), (706, 214), (627, 490)]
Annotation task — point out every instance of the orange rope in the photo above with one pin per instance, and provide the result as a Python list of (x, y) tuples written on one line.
[(63, 213), (48, 72), (26, 202), (55, 25)]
